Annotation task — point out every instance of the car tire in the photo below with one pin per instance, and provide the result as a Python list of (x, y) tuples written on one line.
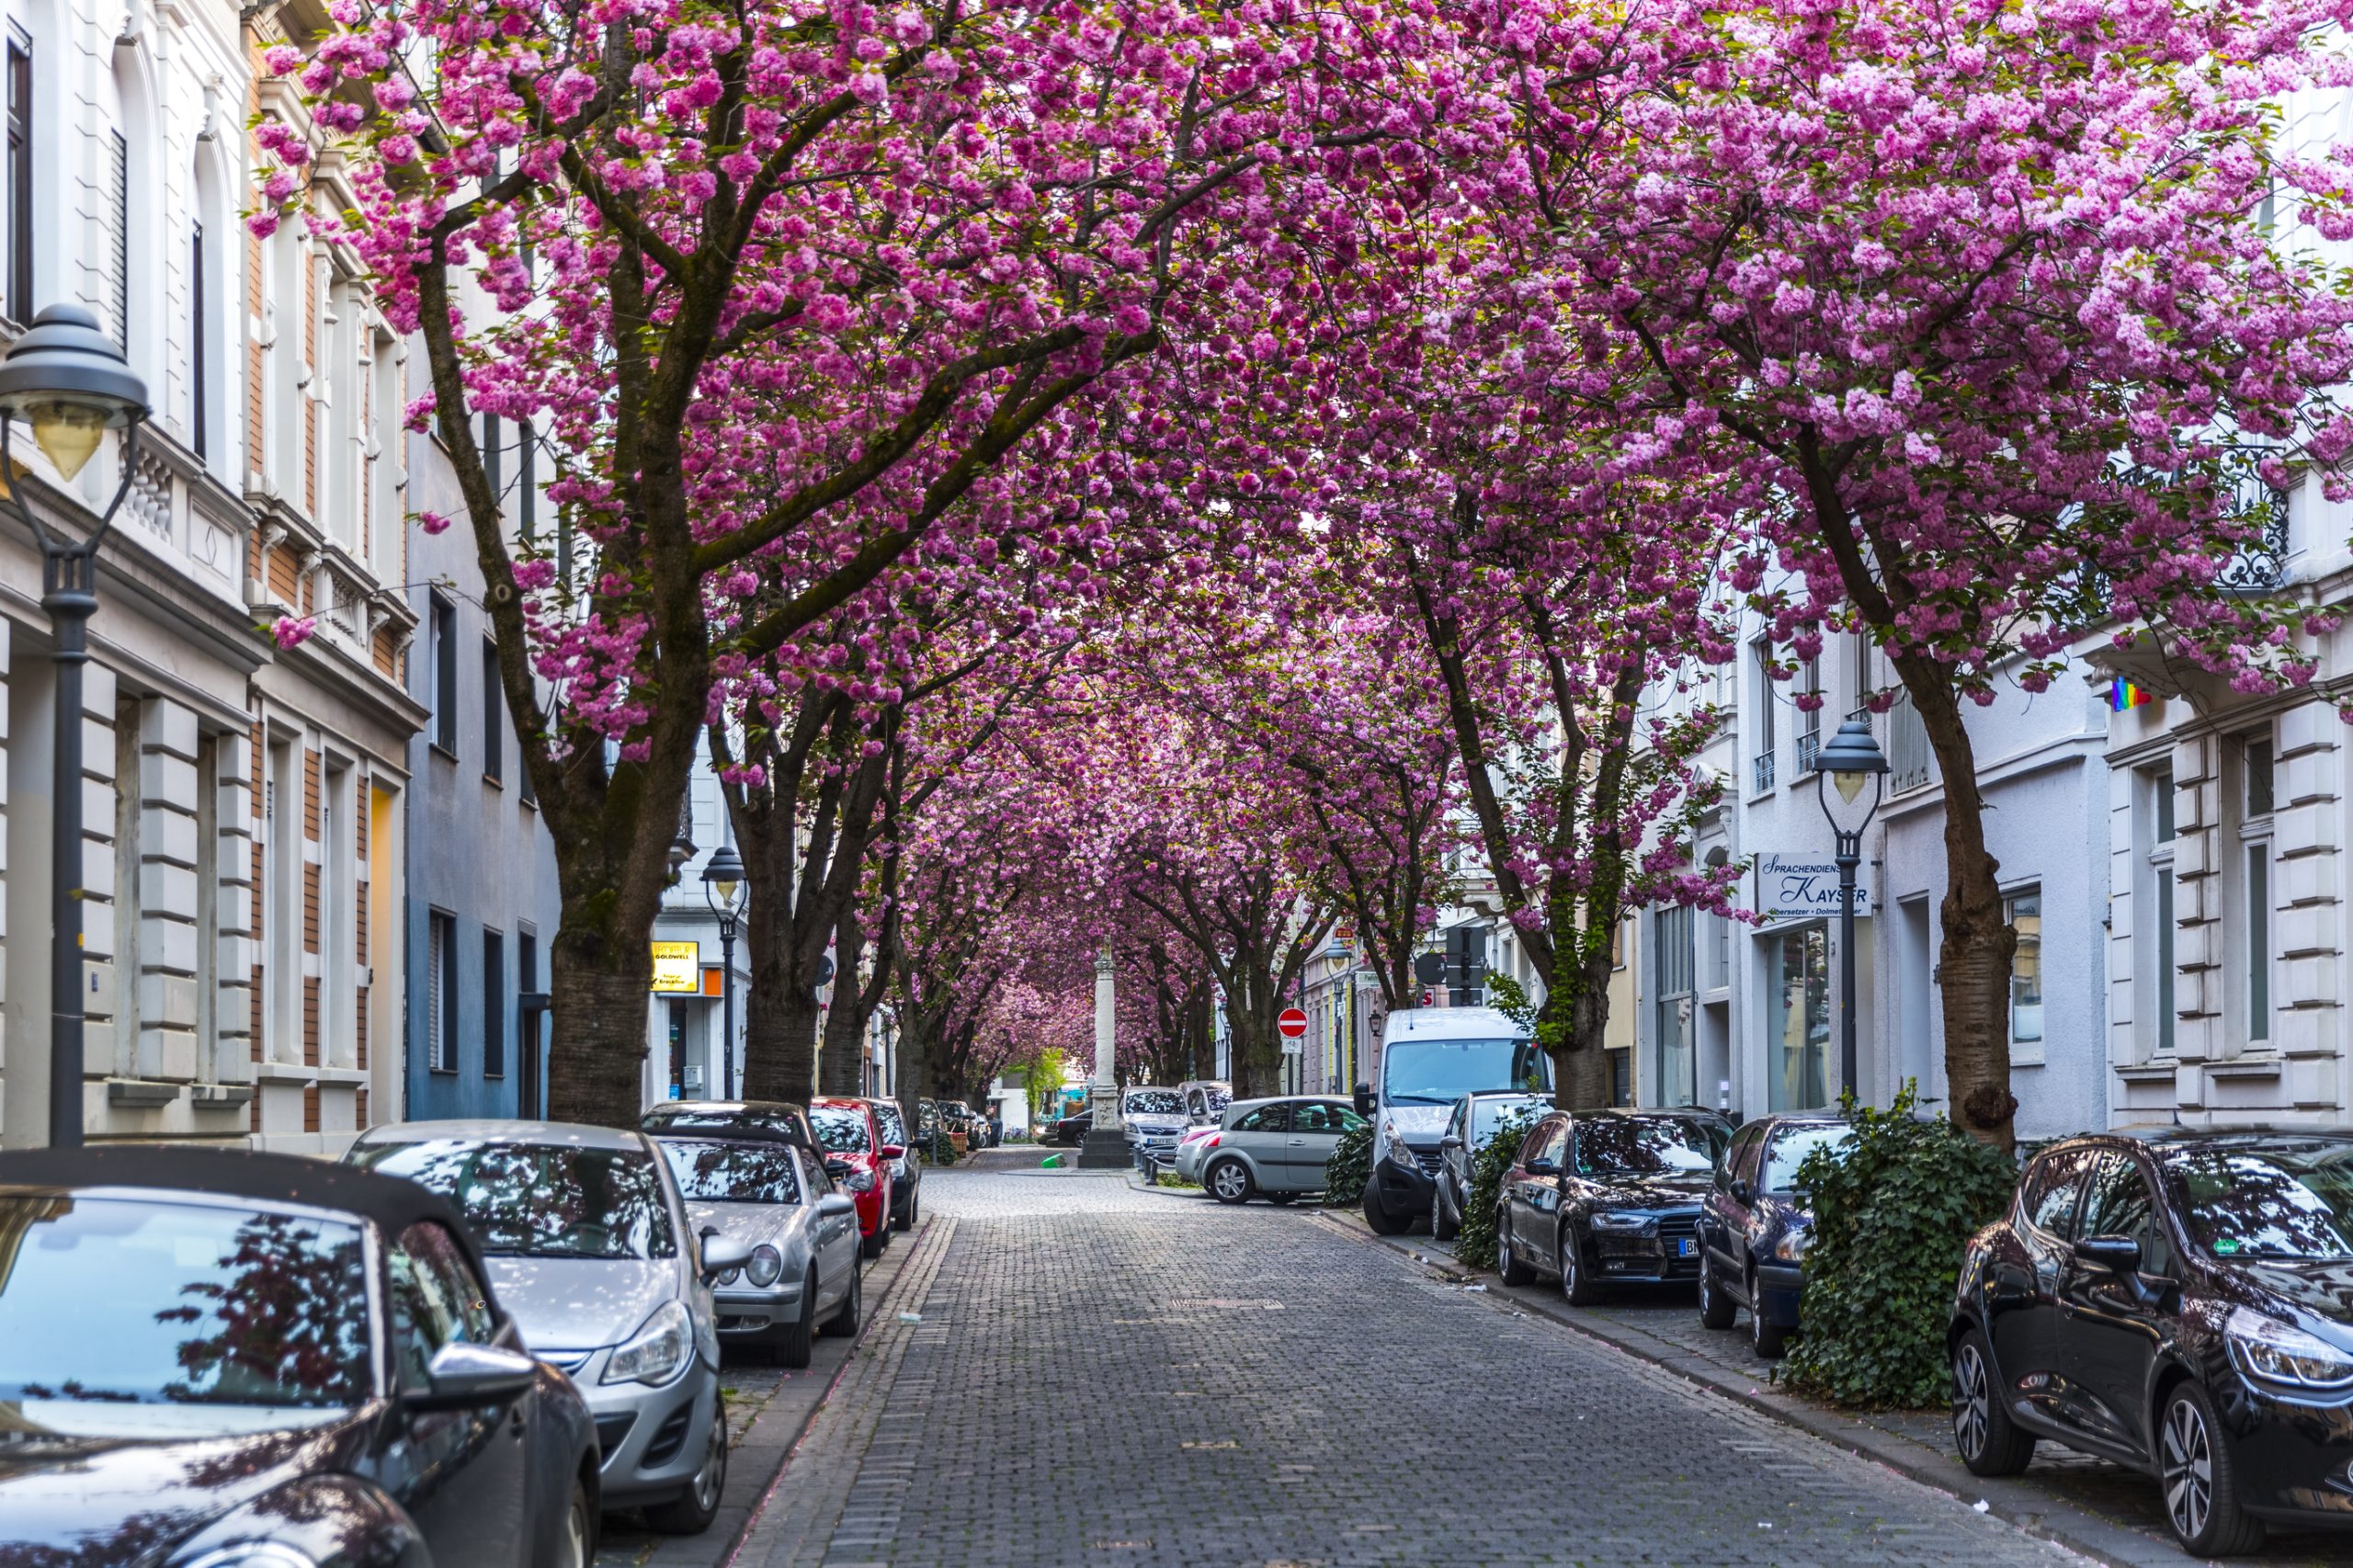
[(693, 1509), (1717, 1309), (1382, 1221), (905, 1219), (576, 1541), (871, 1246), (1578, 1286), (1509, 1265), (794, 1346), (2199, 1479), (851, 1317), (1441, 1228), (1770, 1340), (1229, 1182), (1989, 1442)]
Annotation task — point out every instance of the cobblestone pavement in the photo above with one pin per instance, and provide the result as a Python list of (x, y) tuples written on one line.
[(1106, 1375)]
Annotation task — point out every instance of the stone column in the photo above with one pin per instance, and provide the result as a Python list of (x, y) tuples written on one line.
[(1107, 1143)]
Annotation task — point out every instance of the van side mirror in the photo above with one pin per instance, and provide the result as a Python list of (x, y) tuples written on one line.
[(1452, 1140), (1364, 1101)]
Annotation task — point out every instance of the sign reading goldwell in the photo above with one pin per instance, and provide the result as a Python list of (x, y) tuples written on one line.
[(1790, 887)]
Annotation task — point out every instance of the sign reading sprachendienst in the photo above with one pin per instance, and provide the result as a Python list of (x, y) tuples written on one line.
[(678, 967), (1792, 887)]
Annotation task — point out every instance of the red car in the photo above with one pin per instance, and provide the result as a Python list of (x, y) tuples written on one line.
[(859, 1161)]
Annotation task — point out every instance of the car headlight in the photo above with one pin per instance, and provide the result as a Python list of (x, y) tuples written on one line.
[(1791, 1247), (1398, 1149), (859, 1181), (1621, 1223), (2275, 1352), (657, 1352), (765, 1265), (254, 1554), (729, 1276)]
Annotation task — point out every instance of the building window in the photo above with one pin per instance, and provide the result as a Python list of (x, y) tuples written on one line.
[(1671, 971), (20, 180), (527, 504), (1810, 719), (2023, 910), (494, 466), (2255, 884), (118, 252), (493, 1003), (441, 991), (2159, 947), (1761, 753), (1802, 1040), (494, 738), (443, 657), (200, 372)]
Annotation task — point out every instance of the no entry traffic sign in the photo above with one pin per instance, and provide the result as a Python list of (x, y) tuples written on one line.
[(1291, 1022)]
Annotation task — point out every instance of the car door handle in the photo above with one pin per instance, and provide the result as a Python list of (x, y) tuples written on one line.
[(1299, 1143)]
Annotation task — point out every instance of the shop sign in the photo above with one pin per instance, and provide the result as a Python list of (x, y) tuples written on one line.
[(678, 967), (1797, 887)]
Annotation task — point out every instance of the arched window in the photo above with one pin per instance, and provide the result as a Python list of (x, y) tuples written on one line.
[(123, 280), (210, 302)]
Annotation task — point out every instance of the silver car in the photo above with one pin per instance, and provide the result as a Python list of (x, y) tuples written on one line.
[(1275, 1148), (799, 1238), (586, 1241), (1153, 1120)]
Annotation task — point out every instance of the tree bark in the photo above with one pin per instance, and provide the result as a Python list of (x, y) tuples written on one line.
[(599, 1078)]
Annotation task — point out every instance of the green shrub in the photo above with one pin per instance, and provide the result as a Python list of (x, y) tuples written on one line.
[(1170, 1178), (1350, 1167), (1474, 1244), (943, 1153), (1891, 1217)]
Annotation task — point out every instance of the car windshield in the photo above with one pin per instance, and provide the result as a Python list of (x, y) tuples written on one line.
[(1486, 1115), (122, 1302), (841, 1131), (1441, 1071), (1151, 1102), (1791, 1145), (2290, 1202), (1217, 1099), (540, 1200), (1643, 1146), (894, 1127), (732, 1172)]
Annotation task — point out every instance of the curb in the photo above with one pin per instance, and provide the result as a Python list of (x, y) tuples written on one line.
[(2015, 1502)]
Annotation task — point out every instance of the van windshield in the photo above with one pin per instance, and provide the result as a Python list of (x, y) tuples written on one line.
[(1441, 1071)]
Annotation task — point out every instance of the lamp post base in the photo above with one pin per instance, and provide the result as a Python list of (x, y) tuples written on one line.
[(1106, 1149)]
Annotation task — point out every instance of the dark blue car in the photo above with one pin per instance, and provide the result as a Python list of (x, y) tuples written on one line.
[(1754, 1227)]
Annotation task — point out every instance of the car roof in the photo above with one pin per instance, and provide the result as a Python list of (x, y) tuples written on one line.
[(1287, 1100), (2168, 1135), (1450, 1023), (487, 1130)]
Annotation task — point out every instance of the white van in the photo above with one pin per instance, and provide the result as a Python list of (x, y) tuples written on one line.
[(1431, 1056)]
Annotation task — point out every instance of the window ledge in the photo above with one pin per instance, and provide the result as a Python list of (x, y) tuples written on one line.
[(441, 751), (2147, 1072), (2033, 1058), (284, 1072), (2264, 1066), (493, 780)]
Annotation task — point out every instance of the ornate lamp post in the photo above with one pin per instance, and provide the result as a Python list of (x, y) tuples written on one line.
[(1849, 762), (1106, 1144), (68, 381), (722, 889)]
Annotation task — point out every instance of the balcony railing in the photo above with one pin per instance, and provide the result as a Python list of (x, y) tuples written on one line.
[(1809, 747), (1911, 762), (1763, 764)]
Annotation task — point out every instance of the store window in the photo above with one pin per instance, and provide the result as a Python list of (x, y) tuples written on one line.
[(1801, 1040)]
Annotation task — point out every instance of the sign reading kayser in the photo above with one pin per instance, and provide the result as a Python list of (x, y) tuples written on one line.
[(1791, 887)]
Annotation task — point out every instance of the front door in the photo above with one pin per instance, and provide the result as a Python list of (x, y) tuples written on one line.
[(2022, 1294), (1263, 1137), (1723, 1216), (1536, 1192), (836, 1246), (1315, 1129), (2108, 1327)]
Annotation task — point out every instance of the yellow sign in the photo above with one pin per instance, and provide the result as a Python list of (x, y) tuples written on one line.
[(677, 967)]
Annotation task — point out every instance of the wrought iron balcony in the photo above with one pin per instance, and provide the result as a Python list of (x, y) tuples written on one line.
[(1763, 764)]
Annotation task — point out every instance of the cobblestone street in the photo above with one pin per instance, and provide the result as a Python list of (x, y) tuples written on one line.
[(1106, 1375)]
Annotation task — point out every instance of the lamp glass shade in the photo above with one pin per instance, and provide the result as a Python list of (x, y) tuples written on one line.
[(725, 887), (68, 431), (1849, 785)]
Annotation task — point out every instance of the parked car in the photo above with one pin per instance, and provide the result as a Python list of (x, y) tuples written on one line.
[(586, 1242), (1430, 1058), (730, 1118), (153, 1417), (1606, 1196), (772, 1198), (1154, 1120), (1754, 1226), (2180, 1303), (1192, 1149), (1074, 1128), (859, 1161), (1274, 1148), (1468, 1130), (1205, 1099), (906, 1171)]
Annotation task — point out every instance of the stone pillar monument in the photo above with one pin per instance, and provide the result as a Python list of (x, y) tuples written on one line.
[(1106, 1144)]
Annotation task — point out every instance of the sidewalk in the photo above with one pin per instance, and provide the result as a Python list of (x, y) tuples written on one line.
[(2101, 1510)]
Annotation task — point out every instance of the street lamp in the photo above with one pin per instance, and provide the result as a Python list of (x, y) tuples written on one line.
[(70, 382), (722, 889), (1851, 762)]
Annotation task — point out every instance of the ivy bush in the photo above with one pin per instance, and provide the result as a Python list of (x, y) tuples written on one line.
[(943, 1151), (1474, 1244), (1348, 1168), (1892, 1214)]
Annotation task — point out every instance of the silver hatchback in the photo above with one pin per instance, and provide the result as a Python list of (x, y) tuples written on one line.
[(1274, 1148), (589, 1246), (774, 1200)]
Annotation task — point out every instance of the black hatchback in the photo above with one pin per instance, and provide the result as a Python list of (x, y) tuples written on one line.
[(2180, 1303), (1597, 1196)]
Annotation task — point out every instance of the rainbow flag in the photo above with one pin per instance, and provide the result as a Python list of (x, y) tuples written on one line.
[(2123, 695)]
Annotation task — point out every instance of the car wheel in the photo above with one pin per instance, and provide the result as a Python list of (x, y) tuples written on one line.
[(576, 1541), (2201, 1484), (1990, 1443), (691, 1511), (1509, 1265), (1382, 1221), (844, 1323), (871, 1246), (1443, 1227), (1770, 1340), (1578, 1286), (1230, 1182), (1716, 1309), (799, 1339)]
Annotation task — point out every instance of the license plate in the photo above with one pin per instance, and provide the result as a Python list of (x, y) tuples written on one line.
[(1685, 1246)]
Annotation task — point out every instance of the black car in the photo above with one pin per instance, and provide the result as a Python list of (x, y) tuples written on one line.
[(1754, 1226), (1597, 1196), (217, 1356), (906, 1171), (1469, 1129), (1074, 1128), (2180, 1303), (730, 1119)]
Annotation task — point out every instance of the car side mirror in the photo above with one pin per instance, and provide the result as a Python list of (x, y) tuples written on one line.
[(1543, 1167), (837, 1168), (460, 1375), (1452, 1140), (895, 1151), (833, 1203), (1364, 1102), (1742, 1190), (720, 1254), (2117, 1255)]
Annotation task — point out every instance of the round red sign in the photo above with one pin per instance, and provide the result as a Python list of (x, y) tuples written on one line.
[(1291, 1022)]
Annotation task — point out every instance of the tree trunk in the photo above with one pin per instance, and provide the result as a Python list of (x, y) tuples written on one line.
[(841, 1062), (599, 1000), (1974, 957)]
